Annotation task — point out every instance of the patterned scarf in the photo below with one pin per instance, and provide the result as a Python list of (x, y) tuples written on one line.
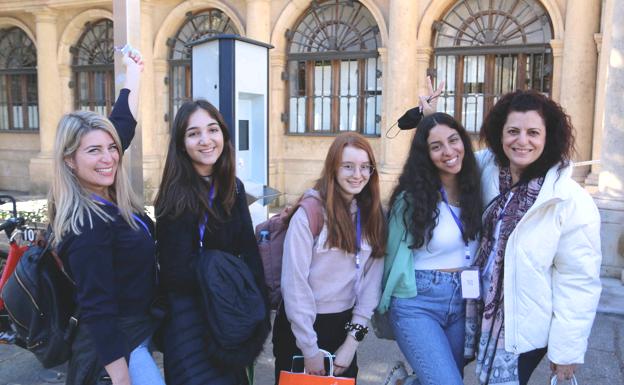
[(485, 317)]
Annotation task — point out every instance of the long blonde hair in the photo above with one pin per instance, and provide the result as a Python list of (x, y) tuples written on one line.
[(69, 203)]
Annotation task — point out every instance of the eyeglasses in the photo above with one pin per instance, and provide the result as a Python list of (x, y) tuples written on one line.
[(349, 169)]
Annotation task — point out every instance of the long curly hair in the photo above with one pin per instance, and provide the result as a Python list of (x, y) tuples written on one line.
[(420, 184), (559, 145)]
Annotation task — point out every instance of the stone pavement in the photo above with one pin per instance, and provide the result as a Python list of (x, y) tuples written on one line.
[(604, 363)]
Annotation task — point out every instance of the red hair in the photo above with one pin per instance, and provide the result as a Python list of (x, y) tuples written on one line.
[(340, 226)]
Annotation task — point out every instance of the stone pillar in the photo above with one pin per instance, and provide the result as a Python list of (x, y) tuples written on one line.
[(50, 105), (401, 87), (147, 107), (258, 20), (610, 198), (277, 102), (127, 22), (161, 106), (592, 178), (578, 75), (557, 51)]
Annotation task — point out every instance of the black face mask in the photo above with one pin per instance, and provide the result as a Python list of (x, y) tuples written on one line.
[(409, 120)]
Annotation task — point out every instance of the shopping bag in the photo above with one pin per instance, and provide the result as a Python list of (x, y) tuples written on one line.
[(553, 381), (290, 378)]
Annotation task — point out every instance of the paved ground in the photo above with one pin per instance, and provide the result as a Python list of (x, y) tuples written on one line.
[(604, 360)]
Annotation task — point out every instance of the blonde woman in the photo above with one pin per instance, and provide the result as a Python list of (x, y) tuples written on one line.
[(106, 243)]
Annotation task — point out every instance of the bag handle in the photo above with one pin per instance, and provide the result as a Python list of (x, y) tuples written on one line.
[(573, 381), (331, 362)]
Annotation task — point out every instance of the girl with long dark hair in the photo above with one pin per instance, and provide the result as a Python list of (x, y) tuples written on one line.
[(331, 282), (200, 202), (433, 227)]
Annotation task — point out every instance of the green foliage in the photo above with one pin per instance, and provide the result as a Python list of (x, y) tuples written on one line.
[(32, 211)]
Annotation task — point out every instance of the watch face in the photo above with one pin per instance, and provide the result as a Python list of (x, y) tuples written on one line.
[(359, 335)]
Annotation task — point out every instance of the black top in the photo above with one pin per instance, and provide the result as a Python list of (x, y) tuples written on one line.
[(178, 245), (113, 265), (122, 119)]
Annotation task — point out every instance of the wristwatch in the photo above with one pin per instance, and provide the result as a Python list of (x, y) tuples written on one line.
[(357, 331)]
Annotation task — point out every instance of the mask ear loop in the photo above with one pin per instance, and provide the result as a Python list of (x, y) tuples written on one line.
[(389, 130)]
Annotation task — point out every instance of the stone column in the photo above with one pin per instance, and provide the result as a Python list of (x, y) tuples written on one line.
[(578, 80), (127, 21), (258, 20), (557, 51), (610, 198), (50, 104), (147, 107), (401, 86), (161, 107), (277, 95), (592, 178)]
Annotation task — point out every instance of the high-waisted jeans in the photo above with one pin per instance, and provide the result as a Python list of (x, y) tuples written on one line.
[(429, 328)]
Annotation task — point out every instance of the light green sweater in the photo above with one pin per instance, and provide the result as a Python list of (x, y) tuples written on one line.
[(399, 279)]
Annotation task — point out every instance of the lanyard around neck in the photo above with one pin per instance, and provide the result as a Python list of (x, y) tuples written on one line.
[(111, 204), (358, 238), (202, 226), (458, 222)]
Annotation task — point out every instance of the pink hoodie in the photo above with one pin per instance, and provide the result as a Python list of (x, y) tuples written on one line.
[(321, 280)]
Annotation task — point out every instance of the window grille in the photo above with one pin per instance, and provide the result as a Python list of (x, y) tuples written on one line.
[(18, 81)]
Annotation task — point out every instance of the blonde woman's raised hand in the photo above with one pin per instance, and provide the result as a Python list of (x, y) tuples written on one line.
[(133, 61)]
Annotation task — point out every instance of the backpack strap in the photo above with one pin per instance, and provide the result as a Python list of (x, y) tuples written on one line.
[(314, 211)]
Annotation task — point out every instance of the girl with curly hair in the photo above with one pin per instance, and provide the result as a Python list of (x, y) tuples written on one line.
[(435, 217)]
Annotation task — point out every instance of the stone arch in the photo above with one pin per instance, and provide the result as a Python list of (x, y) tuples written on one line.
[(74, 29), (294, 9), (173, 21), (13, 22), (436, 10), (69, 37)]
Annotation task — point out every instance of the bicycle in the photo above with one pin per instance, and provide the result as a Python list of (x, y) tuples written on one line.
[(7, 266)]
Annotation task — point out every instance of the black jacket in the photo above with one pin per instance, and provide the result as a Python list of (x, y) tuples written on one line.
[(185, 332)]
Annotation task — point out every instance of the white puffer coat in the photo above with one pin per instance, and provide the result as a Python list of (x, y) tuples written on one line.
[(552, 267)]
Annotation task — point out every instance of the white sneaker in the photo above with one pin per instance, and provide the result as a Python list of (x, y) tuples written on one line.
[(398, 372)]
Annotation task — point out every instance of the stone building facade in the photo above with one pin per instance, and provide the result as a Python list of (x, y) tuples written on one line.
[(336, 65)]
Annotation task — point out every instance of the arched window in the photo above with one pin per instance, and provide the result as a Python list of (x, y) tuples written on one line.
[(18, 81), (484, 49), (197, 25), (93, 66), (334, 74)]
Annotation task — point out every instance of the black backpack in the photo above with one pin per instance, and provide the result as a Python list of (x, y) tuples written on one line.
[(234, 308), (39, 300)]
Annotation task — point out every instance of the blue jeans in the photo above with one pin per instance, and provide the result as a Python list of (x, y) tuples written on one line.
[(429, 328), (142, 367)]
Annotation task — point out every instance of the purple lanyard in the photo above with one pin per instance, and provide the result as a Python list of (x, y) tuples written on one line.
[(111, 204), (457, 221), (202, 226), (358, 238)]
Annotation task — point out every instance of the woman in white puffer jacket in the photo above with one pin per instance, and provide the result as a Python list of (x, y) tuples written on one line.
[(540, 249)]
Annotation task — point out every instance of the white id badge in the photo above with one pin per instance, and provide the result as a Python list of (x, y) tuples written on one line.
[(470, 284)]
